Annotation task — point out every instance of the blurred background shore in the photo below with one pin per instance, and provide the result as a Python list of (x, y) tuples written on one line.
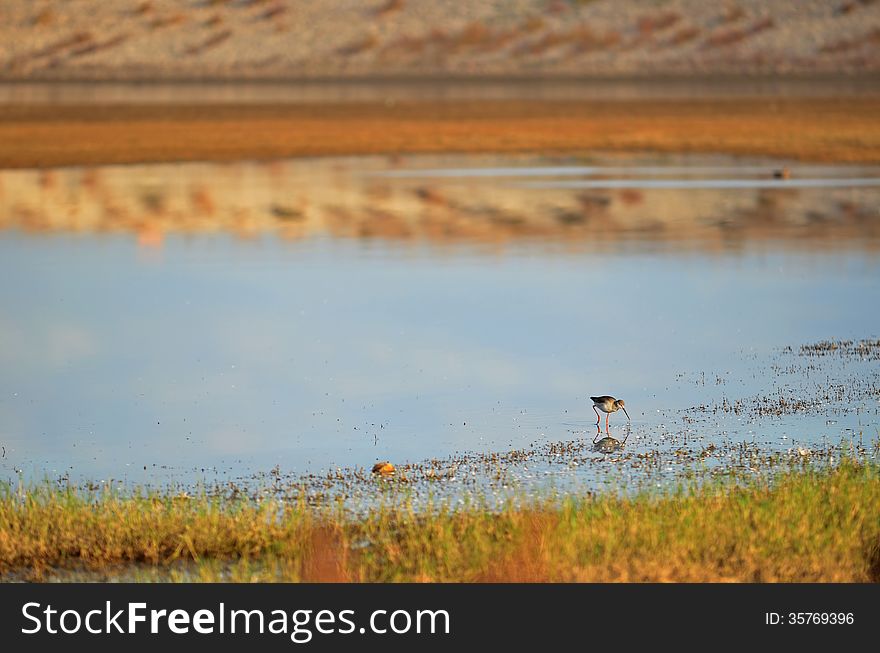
[(351, 39), (89, 82)]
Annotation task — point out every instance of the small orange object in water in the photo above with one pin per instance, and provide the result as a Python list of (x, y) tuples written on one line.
[(384, 468)]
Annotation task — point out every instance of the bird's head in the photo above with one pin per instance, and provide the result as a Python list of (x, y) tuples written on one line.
[(619, 403)]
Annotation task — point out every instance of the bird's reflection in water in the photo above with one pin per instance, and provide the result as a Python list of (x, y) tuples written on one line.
[(609, 444)]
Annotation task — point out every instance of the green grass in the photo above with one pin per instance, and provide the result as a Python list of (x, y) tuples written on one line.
[(801, 525)]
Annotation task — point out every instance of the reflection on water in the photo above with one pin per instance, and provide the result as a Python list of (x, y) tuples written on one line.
[(582, 204), (141, 337), (712, 184)]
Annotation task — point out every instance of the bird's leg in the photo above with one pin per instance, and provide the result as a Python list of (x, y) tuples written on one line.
[(598, 416), (607, 415)]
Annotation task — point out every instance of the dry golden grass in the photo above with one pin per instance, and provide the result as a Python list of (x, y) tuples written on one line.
[(804, 526), (682, 36), (657, 22), (45, 17), (845, 45), (390, 7), (725, 37), (211, 42), (829, 129), (360, 45)]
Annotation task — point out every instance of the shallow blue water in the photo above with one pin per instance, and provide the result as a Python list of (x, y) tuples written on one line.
[(328, 353), (221, 356)]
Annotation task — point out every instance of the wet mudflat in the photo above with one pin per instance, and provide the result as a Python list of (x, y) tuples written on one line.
[(278, 328)]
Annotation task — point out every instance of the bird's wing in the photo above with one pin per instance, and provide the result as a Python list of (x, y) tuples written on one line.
[(602, 399)]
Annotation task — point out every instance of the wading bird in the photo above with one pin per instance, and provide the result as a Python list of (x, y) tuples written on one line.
[(607, 405)]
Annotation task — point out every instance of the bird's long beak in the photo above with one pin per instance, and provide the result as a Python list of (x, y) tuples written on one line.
[(626, 413)]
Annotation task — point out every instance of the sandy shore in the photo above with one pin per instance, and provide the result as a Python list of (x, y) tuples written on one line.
[(284, 39), (843, 130)]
